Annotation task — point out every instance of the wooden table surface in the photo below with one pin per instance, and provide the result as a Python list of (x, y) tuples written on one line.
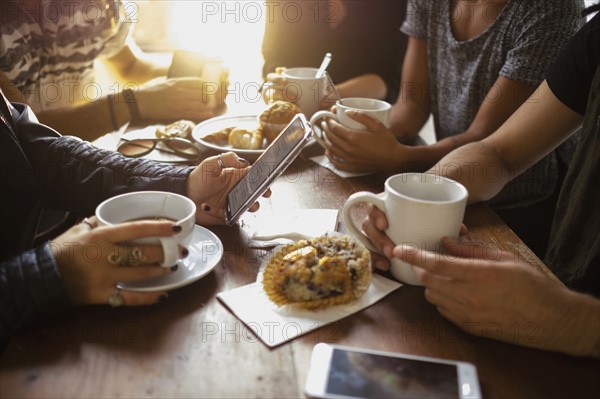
[(192, 346)]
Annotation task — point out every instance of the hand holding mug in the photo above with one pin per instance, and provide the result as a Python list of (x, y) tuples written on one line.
[(82, 256), (296, 85), (420, 208)]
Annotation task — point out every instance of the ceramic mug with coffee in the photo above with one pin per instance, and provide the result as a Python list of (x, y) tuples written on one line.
[(152, 205), (421, 209), (377, 109)]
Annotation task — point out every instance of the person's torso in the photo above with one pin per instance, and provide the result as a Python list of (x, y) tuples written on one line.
[(48, 50)]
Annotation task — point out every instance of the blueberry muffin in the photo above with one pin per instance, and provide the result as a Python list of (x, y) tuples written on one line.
[(318, 273)]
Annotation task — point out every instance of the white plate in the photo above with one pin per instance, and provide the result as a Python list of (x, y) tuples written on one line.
[(206, 251), (248, 122)]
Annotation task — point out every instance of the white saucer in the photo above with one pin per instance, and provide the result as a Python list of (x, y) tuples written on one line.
[(206, 251)]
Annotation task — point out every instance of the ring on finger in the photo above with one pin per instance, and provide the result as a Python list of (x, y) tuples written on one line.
[(133, 256), (116, 299), (87, 222), (220, 162)]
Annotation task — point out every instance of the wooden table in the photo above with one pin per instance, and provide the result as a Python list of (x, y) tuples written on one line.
[(192, 346)]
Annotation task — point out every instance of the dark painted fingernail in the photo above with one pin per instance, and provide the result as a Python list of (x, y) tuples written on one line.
[(206, 208), (174, 268), (163, 298), (176, 228), (184, 253)]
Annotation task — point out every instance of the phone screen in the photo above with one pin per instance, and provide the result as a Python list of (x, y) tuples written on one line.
[(367, 375), (282, 151)]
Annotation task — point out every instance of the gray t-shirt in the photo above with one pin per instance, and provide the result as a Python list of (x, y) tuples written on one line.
[(519, 45)]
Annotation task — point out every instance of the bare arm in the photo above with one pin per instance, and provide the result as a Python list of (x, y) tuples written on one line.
[(501, 101), (411, 110), (540, 125), (131, 65), (88, 119), (369, 85)]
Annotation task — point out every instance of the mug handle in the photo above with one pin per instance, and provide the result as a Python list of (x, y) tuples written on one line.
[(376, 199), (313, 124), (170, 248)]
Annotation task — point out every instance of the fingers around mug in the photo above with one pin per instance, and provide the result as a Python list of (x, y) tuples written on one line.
[(356, 199), (171, 252), (314, 123), (371, 123), (130, 231), (379, 261), (378, 238)]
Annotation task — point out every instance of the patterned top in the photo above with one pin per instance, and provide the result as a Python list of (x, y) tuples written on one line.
[(48, 50), (519, 45)]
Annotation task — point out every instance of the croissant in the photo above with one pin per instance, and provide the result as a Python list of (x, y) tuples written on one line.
[(246, 139)]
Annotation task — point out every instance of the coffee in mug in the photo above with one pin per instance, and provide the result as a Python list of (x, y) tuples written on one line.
[(152, 205), (421, 209)]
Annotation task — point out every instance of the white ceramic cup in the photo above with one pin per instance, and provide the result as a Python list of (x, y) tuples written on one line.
[(421, 210), (304, 89), (377, 109), (152, 205)]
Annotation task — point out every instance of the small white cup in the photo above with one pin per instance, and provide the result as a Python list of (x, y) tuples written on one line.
[(152, 205), (304, 89), (421, 210), (377, 109)]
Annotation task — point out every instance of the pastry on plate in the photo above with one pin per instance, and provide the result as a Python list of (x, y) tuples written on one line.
[(219, 138), (276, 117), (181, 128), (246, 139), (318, 272)]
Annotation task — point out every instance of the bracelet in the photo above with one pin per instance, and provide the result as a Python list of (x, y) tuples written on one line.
[(111, 111), (131, 102)]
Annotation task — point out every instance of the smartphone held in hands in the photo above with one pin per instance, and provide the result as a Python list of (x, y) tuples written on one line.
[(344, 372), (272, 162)]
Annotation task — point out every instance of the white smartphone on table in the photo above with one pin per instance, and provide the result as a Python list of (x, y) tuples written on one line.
[(344, 372), (271, 163)]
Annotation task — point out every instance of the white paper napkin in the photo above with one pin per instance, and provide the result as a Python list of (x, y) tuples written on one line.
[(323, 161), (275, 325), (293, 224)]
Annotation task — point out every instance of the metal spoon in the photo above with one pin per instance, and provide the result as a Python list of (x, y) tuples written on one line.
[(324, 65)]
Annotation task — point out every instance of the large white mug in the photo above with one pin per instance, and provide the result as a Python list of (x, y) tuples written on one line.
[(377, 109), (152, 205), (421, 210), (304, 89)]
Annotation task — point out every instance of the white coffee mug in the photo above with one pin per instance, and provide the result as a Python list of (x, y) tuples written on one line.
[(376, 109), (152, 205), (421, 210), (304, 89)]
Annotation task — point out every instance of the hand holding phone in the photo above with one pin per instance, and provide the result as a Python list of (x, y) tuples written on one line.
[(343, 372), (273, 161)]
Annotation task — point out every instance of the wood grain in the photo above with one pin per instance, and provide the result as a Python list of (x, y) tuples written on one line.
[(192, 346)]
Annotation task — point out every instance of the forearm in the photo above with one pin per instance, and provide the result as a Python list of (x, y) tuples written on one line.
[(88, 120), (573, 324), (368, 85), (408, 118), (478, 167)]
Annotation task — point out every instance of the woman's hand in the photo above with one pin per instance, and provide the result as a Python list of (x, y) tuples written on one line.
[(181, 98), (84, 256), (211, 181), (373, 150)]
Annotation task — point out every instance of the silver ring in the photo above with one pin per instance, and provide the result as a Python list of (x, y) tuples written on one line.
[(220, 162), (87, 221), (116, 299)]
